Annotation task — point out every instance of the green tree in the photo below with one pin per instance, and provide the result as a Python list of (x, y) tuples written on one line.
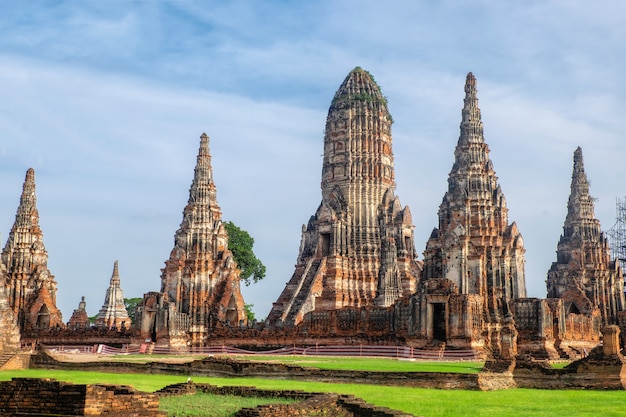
[(249, 313), (131, 304), (240, 244)]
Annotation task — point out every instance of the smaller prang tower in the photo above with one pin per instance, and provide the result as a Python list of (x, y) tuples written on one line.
[(113, 314), (474, 259), (30, 287), (357, 250), (200, 283), (584, 275)]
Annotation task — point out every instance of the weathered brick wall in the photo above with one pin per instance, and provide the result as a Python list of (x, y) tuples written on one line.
[(31, 396), (596, 372), (218, 367)]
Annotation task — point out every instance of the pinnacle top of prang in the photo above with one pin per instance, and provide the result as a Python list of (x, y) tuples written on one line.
[(359, 85), (28, 190), (204, 145), (471, 124), (27, 215), (115, 277), (579, 166), (580, 204), (202, 189), (470, 85)]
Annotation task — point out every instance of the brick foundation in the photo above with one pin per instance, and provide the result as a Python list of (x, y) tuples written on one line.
[(47, 397)]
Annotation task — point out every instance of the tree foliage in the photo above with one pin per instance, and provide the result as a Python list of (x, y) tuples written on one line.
[(131, 304), (240, 244), (249, 313)]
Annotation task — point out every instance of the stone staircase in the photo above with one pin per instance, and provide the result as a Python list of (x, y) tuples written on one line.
[(5, 357), (303, 291)]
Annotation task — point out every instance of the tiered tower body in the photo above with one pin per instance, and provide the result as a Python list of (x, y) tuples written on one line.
[(30, 287), (200, 284), (357, 250), (474, 251), (113, 313), (584, 276)]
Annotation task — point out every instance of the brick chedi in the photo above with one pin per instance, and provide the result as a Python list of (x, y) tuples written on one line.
[(584, 276), (30, 287), (200, 284), (474, 259), (357, 250), (113, 313), (79, 318)]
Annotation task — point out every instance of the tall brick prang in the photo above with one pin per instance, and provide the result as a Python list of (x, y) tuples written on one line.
[(358, 248), (30, 287), (584, 276), (474, 259), (200, 283)]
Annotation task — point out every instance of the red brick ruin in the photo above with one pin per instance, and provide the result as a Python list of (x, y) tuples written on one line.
[(357, 277)]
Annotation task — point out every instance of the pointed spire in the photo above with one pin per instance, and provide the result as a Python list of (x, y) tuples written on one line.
[(580, 206), (25, 240), (203, 189), (471, 155), (113, 311), (27, 214), (115, 277), (471, 124)]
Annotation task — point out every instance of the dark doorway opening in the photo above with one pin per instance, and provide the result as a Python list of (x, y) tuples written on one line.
[(325, 238), (439, 321)]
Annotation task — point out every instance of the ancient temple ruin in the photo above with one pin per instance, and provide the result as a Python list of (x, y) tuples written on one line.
[(474, 259), (200, 284), (584, 276), (113, 314), (29, 286), (357, 249), (585, 287)]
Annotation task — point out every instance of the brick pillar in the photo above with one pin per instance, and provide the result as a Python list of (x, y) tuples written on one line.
[(610, 337)]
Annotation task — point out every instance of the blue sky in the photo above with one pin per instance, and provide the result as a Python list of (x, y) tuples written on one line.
[(107, 101)]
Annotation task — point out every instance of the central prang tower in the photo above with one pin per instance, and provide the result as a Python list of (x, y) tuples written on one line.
[(357, 250)]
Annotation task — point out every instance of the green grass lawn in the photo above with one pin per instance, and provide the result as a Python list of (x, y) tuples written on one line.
[(417, 401), (333, 362), (370, 364), (201, 404)]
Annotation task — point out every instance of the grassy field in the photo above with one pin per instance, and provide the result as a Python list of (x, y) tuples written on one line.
[(330, 362), (422, 402), (370, 364), (211, 405)]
